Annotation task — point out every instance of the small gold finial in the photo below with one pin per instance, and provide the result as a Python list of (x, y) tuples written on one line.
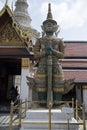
[(49, 15), (6, 3)]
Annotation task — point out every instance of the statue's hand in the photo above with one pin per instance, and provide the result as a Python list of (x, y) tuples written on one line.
[(48, 51), (51, 49)]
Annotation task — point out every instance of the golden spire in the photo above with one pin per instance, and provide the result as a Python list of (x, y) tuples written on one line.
[(6, 3), (12, 6), (49, 15)]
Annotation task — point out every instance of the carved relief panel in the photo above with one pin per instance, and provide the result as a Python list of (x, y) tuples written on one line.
[(8, 34)]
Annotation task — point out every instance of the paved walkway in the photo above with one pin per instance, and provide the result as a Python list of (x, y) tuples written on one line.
[(5, 122)]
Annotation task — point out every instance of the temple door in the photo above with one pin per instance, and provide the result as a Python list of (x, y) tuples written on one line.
[(3, 89)]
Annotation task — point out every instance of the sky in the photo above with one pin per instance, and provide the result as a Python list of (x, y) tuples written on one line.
[(71, 16)]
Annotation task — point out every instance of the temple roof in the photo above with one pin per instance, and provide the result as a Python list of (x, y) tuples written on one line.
[(79, 76), (76, 49), (75, 62), (11, 35), (9, 27), (69, 63)]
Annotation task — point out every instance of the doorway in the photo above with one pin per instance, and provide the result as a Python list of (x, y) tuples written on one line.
[(71, 94), (3, 89)]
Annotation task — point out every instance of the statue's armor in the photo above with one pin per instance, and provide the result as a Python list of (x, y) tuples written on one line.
[(57, 73)]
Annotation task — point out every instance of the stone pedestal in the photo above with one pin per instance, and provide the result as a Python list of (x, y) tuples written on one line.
[(39, 120)]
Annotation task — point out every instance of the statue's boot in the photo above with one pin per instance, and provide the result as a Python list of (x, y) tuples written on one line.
[(42, 96), (41, 89), (57, 96)]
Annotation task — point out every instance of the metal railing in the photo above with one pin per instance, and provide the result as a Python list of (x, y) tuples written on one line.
[(22, 107)]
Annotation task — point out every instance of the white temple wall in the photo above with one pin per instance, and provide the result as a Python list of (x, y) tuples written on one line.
[(18, 82), (25, 91), (24, 86)]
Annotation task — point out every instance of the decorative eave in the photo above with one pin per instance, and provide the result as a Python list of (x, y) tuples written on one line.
[(24, 35), (14, 52), (16, 47), (11, 16)]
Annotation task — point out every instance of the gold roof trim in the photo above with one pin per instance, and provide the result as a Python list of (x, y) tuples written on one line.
[(12, 43), (23, 34), (6, 8)]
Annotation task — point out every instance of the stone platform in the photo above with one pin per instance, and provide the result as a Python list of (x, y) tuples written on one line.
[(39, 120)]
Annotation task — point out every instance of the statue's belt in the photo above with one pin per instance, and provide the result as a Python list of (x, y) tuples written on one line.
[(58, 89), (55, 89), (44, 75)]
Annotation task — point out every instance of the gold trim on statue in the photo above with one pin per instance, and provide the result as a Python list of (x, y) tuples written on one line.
[(58, 89), (41, 89), (58, 76), (40, 75)]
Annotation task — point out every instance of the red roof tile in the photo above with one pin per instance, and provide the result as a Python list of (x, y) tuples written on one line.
[(78, 75), (76, 49), (68, 63)]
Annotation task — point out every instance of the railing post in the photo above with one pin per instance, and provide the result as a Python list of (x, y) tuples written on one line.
[(11, 114), (50, 116), (26, 107), (83, 114), (77, 110), (68, 121), (72, 102), (20, 112)]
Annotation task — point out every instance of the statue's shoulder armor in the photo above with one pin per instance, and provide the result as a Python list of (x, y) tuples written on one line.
[(56, 40), (42, 40), (59, 40)]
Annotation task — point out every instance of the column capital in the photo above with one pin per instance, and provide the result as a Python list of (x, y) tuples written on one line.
[(84, 87)]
